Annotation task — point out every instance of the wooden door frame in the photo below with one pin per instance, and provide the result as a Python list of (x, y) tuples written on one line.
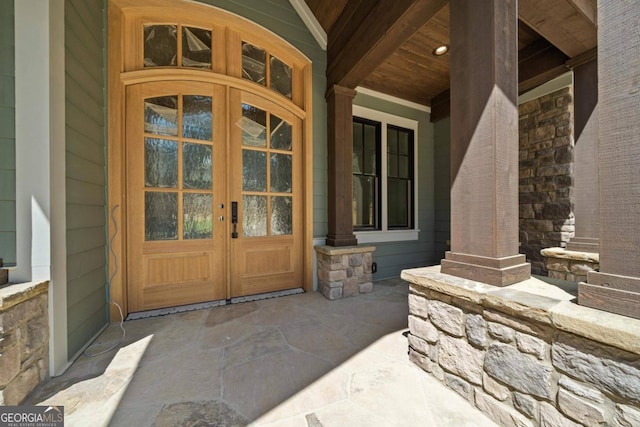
[(125, 69)]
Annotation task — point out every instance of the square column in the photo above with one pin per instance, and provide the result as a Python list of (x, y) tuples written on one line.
[(587, 197), (616, 288), (340, 151), (484, 143)]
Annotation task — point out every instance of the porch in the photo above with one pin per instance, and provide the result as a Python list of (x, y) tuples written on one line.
[(300, 360)]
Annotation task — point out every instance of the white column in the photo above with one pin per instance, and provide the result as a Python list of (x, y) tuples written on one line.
[(40, 160)]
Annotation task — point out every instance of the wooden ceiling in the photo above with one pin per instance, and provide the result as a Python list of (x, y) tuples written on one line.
[(398, 60)]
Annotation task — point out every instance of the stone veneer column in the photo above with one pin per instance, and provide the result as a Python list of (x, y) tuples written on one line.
[(340, 152), (587, 198), (616, 287), (484, 143)]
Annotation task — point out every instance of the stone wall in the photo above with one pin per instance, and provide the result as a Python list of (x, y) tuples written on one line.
[(344, 271), (572, 266), (525, 355), (546, 175), (24, 340)]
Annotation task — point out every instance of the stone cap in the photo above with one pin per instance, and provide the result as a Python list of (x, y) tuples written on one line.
[(15, 294), (344, 250), (534, 300), (572, 255)]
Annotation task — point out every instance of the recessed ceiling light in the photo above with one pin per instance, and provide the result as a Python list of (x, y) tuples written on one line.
[(441, 50)]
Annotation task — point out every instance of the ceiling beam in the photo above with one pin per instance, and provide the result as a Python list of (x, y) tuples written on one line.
[(570, 25), (366, 33)]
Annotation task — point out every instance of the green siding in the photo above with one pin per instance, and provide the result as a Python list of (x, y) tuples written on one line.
[(281, 18), (85, 170), (442, 186), (7, 135), (393, 257)]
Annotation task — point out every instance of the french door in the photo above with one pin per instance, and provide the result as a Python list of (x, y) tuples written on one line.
[(213, 179)]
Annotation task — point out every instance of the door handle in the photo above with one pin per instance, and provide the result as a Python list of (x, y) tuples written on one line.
[(234, 219), (221, 218)]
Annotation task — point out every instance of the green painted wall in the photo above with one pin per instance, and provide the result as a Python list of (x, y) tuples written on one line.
[(281, 18), (393, 257), (7, 135), (85, 170), (442, 184)]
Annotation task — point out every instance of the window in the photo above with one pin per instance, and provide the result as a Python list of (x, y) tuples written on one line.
[(384, 182)]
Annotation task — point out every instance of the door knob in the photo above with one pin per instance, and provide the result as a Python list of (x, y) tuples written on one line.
[(221, 218)]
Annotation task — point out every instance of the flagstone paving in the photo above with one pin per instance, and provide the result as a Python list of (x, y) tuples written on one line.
[(299, 360)]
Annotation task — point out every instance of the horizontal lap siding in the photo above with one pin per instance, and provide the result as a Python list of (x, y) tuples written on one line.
[(7, 135), (85, 170), (281, 18), (394, 257)]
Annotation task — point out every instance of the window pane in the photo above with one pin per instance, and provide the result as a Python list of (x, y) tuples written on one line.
[(370, 162), (161, 115), (254, 63), (364, 201), (403, 167), (281, 136), (254, 219), (281, 216), (196, 48), (357, 135), (254, 170), (403, 142), (196, 166), (370, 137), (392, 165), (392, 141), (160, 163), (398, 208), (197, 121), (160, 216), (254, 126), (281, 175), (358, 161), (197, 216), (280, 77), (160, 45)]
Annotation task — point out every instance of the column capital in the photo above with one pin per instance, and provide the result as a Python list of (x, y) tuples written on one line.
[(335, 90)]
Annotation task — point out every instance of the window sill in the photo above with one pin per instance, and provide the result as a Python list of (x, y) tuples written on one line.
[(387, 236)]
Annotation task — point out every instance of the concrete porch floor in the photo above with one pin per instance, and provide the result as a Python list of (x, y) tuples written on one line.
[(299, 360)]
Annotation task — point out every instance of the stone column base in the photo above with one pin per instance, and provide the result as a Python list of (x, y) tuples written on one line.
[(344, 271), (573, 266)]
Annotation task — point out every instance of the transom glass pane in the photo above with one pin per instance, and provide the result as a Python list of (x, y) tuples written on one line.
[(281, 216), (281, 135), (280, 77), (160, 163), (392, 165), (254, 126), (160, 45), (370, 137), (254, 218), (197, 216), (196, 166), (197, 120), (254, 62), (196, 48), (161, 115), (281, 176), (254, 170), (160, 215)]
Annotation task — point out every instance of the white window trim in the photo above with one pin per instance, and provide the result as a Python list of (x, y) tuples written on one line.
[(385, 235)]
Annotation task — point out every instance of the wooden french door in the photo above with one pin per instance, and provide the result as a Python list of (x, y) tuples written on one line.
[(266, 186), (214, 194), (176, 190)]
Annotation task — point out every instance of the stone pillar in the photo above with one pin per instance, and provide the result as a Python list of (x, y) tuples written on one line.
[(484, 143), (340, 151), (616, 287), (587, 198)]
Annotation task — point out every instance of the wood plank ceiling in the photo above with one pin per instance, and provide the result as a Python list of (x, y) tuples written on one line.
[(399, 59)]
